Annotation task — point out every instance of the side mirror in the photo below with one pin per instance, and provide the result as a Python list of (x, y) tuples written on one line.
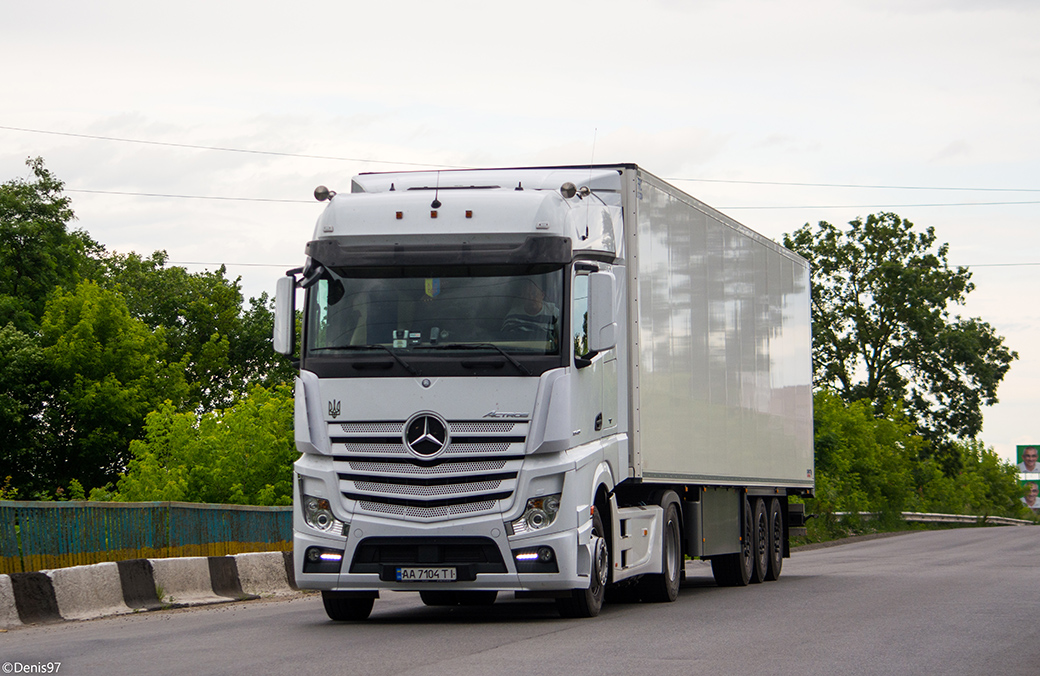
[(285, 315), (602, 322)]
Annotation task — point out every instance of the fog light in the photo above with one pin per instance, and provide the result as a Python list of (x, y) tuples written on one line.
[(322, 560), (540, 559)]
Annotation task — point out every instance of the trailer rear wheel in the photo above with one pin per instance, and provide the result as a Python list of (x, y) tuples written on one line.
[(346, 609), (761, 541), (588, 602), (776, 539), (734, 570)]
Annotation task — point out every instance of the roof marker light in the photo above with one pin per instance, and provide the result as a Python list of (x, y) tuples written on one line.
[(469, 214)]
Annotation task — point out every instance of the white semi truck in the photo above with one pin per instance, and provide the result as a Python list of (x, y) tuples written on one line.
[(555, 381)]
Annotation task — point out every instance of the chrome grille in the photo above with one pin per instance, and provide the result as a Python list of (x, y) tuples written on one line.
[(426, 512), (416, 470), (405, 489), (378, 471)]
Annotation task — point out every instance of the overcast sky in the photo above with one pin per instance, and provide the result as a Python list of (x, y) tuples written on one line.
[(726, 96)]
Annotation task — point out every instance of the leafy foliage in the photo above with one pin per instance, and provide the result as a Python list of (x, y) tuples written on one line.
[(37, 251), (876, 464), (221, 346), (91, 342), (240, 455), (882, 328), (104, 373)]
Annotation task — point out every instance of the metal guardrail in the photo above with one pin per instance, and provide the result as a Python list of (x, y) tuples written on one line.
[(41, 535), (927, 517)]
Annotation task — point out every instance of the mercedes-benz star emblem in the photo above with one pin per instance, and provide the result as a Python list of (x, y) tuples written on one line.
[(426, 434)]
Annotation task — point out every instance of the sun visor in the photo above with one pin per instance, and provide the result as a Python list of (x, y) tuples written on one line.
[(533, 252)]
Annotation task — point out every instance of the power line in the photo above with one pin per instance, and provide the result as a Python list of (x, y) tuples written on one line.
[(453, 166), (223, 149), (997, 265), (188, 197), (880, 206), (729, 208), (288, 265), (854, 185), (233, 265)]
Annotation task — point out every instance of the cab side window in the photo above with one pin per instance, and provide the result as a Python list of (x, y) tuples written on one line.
[(580, 319)]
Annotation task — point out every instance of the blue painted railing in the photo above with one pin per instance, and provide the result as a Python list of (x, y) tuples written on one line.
[(42, 535)]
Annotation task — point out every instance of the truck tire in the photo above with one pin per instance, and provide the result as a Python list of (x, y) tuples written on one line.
[(761, 541), (462, 597), (664, 587), (735, 570), (776, 540), (348, 609), (588, 602)]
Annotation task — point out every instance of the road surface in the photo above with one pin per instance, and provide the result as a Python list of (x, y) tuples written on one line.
[(941, 602)]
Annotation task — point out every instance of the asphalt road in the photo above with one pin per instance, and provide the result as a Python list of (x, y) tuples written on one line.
[(942, 602)]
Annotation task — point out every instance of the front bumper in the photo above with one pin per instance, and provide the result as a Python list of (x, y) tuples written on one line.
[(478, 548)]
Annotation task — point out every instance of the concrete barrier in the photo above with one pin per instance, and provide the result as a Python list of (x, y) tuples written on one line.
[(263, 574), (8, 611), (34, 598), (85, 592), (139, 593), (184, 581), (103, 589)]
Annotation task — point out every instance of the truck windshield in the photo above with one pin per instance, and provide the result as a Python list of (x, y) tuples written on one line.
[(515, 314)]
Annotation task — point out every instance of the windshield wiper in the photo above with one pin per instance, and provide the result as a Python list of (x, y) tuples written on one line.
[(376, 346), (478, 346)]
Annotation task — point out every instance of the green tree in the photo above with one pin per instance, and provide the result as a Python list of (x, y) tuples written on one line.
[(984, 485), (21, 403), (883, 331), (38, 252), (102, 372), (864, 462), (223, 346), (240, 455)]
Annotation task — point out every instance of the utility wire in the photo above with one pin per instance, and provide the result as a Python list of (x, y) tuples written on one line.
[(233, 265), (187, 197), (879, 206), (287, 265), (854, 185), (722, 208), (222, 149), (453, 166)]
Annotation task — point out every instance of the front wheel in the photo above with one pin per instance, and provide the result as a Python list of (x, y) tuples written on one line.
[(664, 587), (343, 608), (588, 602)]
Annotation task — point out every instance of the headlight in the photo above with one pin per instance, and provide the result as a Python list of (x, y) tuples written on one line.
[(317, 512), (540, 513)]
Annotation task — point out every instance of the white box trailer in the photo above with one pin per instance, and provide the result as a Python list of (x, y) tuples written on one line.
[(552, 381)]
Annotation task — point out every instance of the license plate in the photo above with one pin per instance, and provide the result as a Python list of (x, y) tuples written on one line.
[(425, 574)]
